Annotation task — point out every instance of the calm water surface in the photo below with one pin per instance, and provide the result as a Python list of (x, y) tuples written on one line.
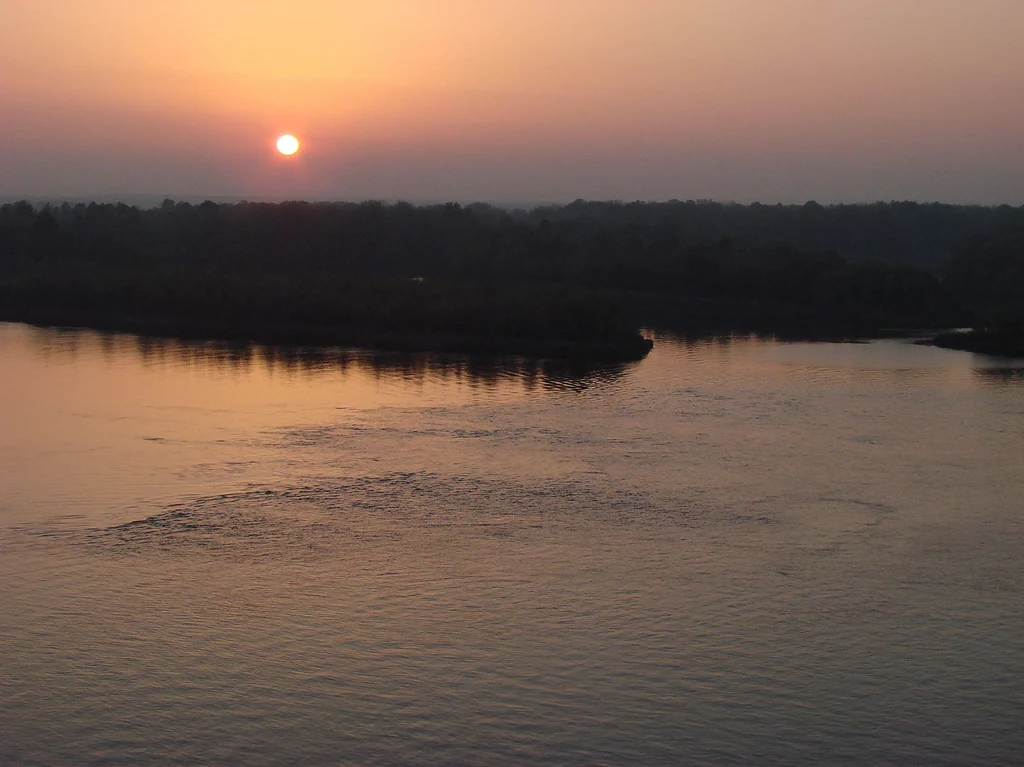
[(734, 552)]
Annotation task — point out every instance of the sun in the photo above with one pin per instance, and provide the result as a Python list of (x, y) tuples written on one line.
[(287, 144)]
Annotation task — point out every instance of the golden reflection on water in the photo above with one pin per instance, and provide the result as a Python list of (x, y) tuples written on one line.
[(76, 399), (94, 421), (737, 551), (364, 374), (355, 367), (889, 363)]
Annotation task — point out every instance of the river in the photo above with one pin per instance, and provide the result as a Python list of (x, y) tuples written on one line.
[(737, 551)]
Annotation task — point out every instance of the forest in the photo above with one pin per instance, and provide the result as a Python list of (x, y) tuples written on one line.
[(553, 281)]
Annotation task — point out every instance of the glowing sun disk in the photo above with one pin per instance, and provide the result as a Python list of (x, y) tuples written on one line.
[(287, 144)]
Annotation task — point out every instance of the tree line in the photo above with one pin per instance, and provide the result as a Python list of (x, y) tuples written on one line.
[(581, 271)]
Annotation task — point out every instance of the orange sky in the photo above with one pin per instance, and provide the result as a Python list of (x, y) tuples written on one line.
[(525, 100)]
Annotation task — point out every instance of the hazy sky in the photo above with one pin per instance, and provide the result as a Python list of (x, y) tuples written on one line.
[(516, 100)]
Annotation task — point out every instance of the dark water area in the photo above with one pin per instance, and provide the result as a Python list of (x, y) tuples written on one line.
[(737, 551)]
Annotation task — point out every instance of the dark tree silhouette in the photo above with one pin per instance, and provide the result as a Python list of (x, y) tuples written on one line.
[(551, 280)]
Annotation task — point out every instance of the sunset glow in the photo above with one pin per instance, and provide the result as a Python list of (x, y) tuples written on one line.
[(531, 100), (511, 382)]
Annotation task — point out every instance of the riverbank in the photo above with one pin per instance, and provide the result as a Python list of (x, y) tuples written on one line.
[(999, 343), (627, 349)]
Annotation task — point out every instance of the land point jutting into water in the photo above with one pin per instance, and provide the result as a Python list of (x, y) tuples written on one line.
[(577, 280)]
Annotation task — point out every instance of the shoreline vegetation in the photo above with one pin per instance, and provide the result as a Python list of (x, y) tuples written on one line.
[(993, 342), (563, 282), (628, 349)]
